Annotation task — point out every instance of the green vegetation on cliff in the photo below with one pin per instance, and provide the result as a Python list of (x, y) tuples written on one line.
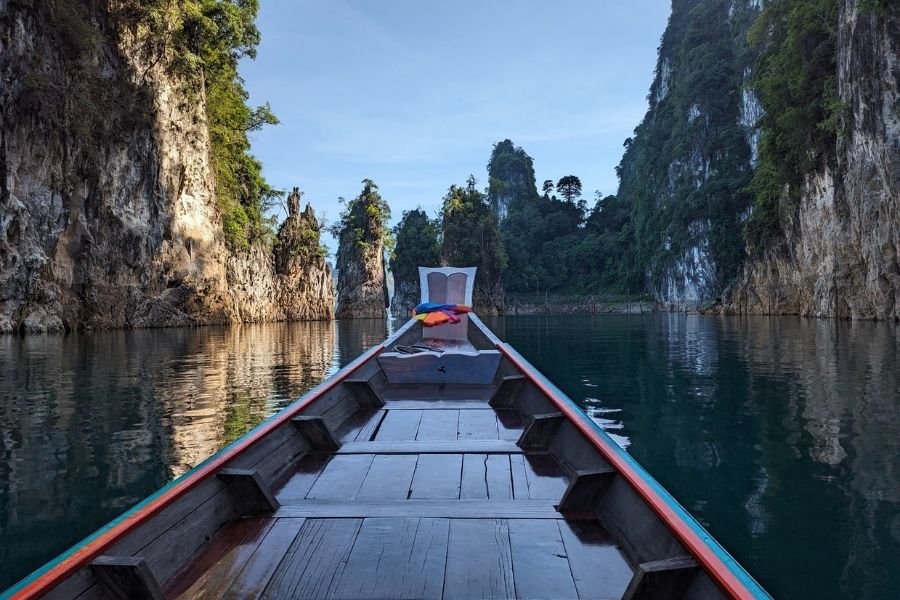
[(417, 245), (364, 219), (796, 79)]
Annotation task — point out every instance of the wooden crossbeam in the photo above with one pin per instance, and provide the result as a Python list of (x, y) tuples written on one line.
[(416, 447), (585, 490), (126, 577), (364, 393), (250, 493), (539, 431), (317, 433), (449, 509), (506, 392), (667, 578)]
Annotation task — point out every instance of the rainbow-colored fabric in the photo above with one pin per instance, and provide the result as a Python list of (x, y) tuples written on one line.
[(432, 314)]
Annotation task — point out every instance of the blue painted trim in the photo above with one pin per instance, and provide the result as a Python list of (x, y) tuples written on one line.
[(140, 505), (733, 565)]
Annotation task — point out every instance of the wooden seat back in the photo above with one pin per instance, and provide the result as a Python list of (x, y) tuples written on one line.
[(447, 285)]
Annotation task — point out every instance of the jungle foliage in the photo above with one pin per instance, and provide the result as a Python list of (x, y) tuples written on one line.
[(363, 222), (417, 244)]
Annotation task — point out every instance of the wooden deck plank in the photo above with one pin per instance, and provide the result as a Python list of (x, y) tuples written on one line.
[(298, 485), (415, 447), (540, 566), (396, 558), (211, 573), (477, 425), (400, 425), (437, 476), (519, 475), (499, 477), (253, 578), (438, 425), (474, 479), (546, 479), (599, 568), (342, 477), (315, 560), (365, 433), (449, 508), (479, 563), (389, 477)]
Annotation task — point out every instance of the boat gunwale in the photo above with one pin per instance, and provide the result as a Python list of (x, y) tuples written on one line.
[(55, 571), (724, 569)]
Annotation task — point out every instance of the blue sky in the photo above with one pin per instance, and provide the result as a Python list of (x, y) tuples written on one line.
[(414, 94)]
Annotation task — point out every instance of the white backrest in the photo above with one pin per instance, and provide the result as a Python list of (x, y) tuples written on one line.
[(447, 285)]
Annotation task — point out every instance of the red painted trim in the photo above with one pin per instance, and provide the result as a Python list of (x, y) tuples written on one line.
[(87, 553), (713, 564)]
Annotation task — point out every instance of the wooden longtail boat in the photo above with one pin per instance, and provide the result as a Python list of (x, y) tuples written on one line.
[(458, 472)]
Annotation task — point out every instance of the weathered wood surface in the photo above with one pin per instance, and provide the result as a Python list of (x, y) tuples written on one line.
[(252, 579), (126, 577), (540, 564), (478, 367), (449, 507), (452, 447), (479, 561), (437, 476), (598, 567)]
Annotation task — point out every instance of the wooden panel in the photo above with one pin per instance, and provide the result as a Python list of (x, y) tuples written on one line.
[(281, 462), (249, 493), (342, 477), (599, 568), (546, 479), (540, 430), (507, 390), (574, 451), (308, 470), (343, 410), (166, 554), (668, 578), (317, 433), (478, 425), (446, 368), (539, 560), (436, 392), (499, 477), (437, 476), (436, 404), (479, 564), (438, 425), (585, 489), (457, 447), (212, 573), (315, 559), (509, 425), (399, 425), (253, 578), (449, 508), (635, 526), (389, 477), (410, 560), (126, 577)]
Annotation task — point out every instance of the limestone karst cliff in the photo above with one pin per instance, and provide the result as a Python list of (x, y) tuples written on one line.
[(362, 232), (837, 248), (108, 201), (417, 245)]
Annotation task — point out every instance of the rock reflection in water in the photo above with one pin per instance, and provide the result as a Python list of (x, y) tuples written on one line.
[(91, 423)]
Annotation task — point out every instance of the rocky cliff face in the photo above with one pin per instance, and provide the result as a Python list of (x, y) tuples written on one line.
[(108, 215), (839, 254), (362, 288), (292, 282), (510, 177), (691, 156)]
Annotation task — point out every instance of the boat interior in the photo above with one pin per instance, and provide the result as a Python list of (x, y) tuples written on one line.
[(442, 473)]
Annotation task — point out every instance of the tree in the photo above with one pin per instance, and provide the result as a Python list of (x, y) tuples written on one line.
[(547, 188), (569, 187), (417, 245)]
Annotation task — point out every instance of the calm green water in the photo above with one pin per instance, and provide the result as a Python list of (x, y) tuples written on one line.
[(781, 435)]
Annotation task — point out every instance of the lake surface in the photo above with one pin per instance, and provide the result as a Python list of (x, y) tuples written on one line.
[(781, 435)]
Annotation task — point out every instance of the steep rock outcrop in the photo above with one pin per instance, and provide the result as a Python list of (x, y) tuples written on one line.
[(362, 288), (291, 282), (684, 171), (417, 246), (510, 177), (108, 214), (108, 217), (839, 252)]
